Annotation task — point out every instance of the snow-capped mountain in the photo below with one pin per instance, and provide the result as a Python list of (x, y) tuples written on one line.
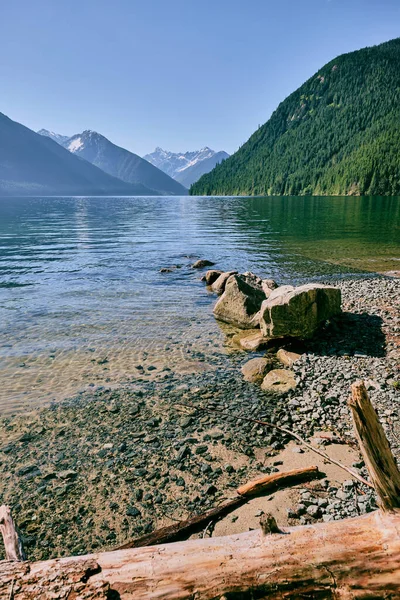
[(186, 167), (35, 165), (121, 163), (57, 137)]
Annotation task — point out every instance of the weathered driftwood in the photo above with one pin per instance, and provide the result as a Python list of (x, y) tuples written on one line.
[(353, 558), (183, 529), (375, 449), (13, 545), (272, 482)]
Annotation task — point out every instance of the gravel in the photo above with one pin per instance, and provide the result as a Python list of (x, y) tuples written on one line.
[(110, 465)]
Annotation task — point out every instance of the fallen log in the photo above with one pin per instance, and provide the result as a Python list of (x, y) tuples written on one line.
[(353, 558), (183, 529)]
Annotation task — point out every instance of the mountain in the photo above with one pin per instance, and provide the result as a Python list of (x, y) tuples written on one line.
[(57, 137), (338, 134), (121, 163), (186, 167), (32, 164)]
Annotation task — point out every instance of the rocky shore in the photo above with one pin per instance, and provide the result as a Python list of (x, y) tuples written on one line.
[(103, 467)]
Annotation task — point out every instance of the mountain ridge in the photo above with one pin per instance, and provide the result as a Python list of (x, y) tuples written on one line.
[(337, 134), (32, 164), (186, 167), (119, 162)]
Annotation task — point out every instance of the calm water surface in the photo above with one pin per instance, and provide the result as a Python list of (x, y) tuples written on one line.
[(82, 301)]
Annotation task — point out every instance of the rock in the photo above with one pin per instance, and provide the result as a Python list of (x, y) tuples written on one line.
[(279, 381), (183, 452), (313, 511), (211, 276), (240, 303), (252, 279), (298, 312), (252, 341), (219, 284), (255, 369), (166, 270), (268, 285), (132, 511), (201, 264), (28, 469), (68, 474), (287, 358)]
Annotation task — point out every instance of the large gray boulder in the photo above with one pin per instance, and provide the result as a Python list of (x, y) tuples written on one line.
[(240, 303), (298, 312)]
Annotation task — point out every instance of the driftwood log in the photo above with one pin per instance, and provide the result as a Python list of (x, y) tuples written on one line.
[(374, 446), (353, 558), (11, 536)]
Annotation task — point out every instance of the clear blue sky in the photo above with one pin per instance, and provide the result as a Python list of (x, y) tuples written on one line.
[(180, 74)]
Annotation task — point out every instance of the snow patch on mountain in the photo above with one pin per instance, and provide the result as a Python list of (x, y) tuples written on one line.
[(56, 137), (75, 144), (186, 167)]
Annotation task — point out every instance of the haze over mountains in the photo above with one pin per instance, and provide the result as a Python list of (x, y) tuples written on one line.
[(338, 134), (186, 167), (31, 164), (118, 162)]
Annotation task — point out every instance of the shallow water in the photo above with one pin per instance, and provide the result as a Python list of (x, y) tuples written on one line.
[(82, 301)]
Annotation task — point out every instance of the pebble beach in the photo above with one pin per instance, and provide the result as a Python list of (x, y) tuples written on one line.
[(111, 464)]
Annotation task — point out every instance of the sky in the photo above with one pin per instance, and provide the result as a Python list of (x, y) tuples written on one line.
[(180, 74)]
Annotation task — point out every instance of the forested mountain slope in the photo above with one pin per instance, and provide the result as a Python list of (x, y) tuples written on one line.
[(338, 134)]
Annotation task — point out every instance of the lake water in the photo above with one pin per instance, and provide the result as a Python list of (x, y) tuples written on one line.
[(82, 301)]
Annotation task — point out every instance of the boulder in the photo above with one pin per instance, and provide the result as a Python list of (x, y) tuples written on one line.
[(287, 358), (255, 369), (211, 276), (240, 303), (279, 381), (252, 279), (268, 285), (250, 340), (298, 312), (219, 285), (201, 263)]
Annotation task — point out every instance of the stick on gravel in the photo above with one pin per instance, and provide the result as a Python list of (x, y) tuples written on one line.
[(287, 432)]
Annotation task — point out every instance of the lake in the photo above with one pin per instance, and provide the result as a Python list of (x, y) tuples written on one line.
[(83, 304)]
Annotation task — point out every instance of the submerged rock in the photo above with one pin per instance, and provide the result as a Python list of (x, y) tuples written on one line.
[(255, 369), (279, 381), (240, 303), (298, 312), (211, 276), (202, 263), (250, 340)]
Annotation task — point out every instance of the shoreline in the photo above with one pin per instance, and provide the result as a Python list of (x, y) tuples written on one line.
[(98, 469)]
